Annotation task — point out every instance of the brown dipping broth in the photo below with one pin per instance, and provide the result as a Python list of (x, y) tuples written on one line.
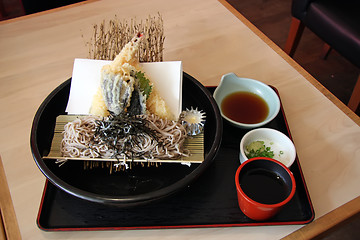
[(245, 107)]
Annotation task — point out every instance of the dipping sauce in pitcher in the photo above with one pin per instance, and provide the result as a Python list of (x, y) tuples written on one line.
[(245, 107)]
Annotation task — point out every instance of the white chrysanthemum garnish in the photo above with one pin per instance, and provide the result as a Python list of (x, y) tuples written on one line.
[(193, 120)]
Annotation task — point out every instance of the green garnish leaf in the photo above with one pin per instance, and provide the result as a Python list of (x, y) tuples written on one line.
[(144, 84)]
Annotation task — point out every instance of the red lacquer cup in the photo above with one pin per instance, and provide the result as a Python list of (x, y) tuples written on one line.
[(263, 186)]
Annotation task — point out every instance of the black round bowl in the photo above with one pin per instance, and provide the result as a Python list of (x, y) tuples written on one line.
[(135, 186)]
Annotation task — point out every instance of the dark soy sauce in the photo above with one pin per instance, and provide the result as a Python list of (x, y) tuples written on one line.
[(264, 186), (245, 107)]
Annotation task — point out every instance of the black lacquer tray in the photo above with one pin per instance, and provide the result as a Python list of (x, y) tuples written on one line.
[(210, 201)]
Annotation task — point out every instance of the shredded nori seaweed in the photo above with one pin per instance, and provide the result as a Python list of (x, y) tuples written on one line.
[(124, 131)]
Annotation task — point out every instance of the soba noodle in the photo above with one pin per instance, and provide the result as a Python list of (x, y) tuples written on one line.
[(81, 139)]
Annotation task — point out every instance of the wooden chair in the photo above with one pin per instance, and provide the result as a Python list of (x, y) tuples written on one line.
[(2, 10), (337, 23), (11, 9)]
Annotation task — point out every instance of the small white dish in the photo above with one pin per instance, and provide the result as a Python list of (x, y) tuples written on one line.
[(281, 145), (231, 83)]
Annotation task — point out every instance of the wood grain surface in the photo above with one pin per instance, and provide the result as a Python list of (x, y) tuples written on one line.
[(9, 228), (38, 52), (328, 222)]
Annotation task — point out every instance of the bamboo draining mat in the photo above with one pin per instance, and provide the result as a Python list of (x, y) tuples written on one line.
[(194, 144)]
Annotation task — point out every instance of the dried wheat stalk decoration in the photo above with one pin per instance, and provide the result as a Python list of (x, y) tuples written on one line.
[(110, 37)]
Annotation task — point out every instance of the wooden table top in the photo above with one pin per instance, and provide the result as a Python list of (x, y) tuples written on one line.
[(211, 39)]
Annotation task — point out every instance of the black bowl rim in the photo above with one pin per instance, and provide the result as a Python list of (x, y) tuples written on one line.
[(135, 199)]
